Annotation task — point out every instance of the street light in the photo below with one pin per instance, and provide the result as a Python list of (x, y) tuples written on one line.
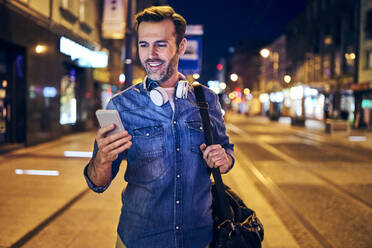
[(287, 79), (234, 77), (196, 76), (40, 49), (265, 53), (246, 91), (223, 85)]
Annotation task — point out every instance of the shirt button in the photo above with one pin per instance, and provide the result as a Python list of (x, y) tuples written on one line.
[(178, 228), (174, 122), (178, 149), (147, 134), (177, 202), (178, 176)]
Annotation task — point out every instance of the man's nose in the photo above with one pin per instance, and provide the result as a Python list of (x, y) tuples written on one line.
[(153, 52)]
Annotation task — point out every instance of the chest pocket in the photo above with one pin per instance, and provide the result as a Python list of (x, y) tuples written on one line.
[(196, 135), (145, 157), (148, 141)]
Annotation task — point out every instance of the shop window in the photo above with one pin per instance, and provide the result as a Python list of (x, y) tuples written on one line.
[(67, 100), (368, 26)]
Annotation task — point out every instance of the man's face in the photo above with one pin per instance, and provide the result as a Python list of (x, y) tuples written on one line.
[(157, 49)]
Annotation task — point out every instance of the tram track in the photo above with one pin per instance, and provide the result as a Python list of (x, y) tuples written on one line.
[(283, 200), (328, 182), (297, 163), (315, 138), (280, 196)]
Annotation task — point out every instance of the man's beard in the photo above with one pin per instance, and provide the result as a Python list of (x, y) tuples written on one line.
[(165, 73)]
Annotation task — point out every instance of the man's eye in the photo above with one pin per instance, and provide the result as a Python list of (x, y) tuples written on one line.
[(143, 45), (162, 44)]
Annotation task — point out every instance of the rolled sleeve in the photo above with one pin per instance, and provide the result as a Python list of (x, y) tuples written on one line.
[(91, 185), (115, 169), (231, 153)]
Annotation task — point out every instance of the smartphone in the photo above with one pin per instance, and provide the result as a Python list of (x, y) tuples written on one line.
[(107, 117)]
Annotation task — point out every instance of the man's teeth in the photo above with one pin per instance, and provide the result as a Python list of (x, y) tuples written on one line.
[(155, 64)]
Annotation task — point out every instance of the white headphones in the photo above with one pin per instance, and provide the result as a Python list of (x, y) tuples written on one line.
[(158, 94)]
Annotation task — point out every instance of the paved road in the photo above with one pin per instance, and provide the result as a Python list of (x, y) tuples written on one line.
[(319, 185), (309, 189)]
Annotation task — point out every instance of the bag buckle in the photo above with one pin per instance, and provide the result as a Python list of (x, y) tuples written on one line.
[(231, 225)]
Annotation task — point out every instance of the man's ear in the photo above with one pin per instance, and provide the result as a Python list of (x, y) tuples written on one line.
[(182, 46)]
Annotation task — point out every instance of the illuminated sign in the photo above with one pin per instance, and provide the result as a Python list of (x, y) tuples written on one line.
[(84, 56), (297, 92), (194, 30), (366, 103), (49, 92), (190, 62), (276, 96), (113, 23), (215, 86)]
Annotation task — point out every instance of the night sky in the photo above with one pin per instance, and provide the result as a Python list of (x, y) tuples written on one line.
[(227, 22)]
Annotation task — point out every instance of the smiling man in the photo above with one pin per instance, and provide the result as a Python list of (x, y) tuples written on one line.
[(167, 201), (159, 51)]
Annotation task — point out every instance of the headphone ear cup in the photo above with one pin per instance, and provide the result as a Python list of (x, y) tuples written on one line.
[(159, 96), (182, 89)]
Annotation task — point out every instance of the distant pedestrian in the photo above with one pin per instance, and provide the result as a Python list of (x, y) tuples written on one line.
[(167, 202)]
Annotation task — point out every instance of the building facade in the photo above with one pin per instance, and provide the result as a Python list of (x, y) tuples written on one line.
[(47, 83), (327, 63), (58, 65)]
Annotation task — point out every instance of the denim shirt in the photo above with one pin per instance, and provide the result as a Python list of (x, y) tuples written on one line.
[(167, 201)]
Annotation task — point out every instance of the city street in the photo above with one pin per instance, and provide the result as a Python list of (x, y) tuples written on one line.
[(309, 188)]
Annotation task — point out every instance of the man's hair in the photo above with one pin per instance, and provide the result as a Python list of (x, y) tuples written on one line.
[(160, 13)]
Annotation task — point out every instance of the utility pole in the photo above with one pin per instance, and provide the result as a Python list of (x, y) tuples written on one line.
[(357, 39), (358, 112), (128, 60)]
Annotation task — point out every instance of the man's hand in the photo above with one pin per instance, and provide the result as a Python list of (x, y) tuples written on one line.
[(109, 148), (216, 157)]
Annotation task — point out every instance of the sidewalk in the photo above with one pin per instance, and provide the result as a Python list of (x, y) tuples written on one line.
[(91, 222), (359, 137)]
